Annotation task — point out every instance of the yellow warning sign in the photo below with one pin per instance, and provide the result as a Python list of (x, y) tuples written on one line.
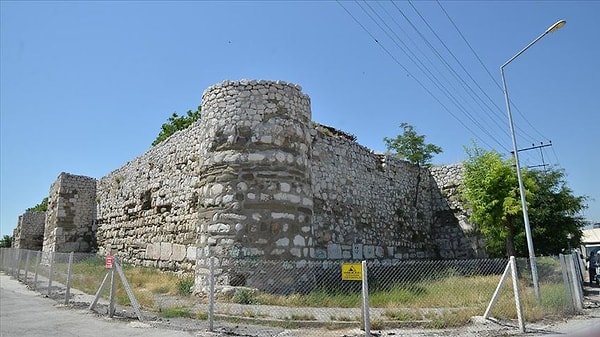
[(351, 272)]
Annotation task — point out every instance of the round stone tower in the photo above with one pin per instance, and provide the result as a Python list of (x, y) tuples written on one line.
[(255, 198)]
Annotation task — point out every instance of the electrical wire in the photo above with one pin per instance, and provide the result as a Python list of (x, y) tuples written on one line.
[(497, 121), (436, 78), (488, 71), (427, 72), (435, 68), (407, 71)]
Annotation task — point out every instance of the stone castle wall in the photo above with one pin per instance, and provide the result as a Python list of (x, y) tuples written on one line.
[(252, 179), (70, 219), (29, 233), (256, 197), (255, 179), (367, 206), (148, 209), (448, 180), (235, 184)]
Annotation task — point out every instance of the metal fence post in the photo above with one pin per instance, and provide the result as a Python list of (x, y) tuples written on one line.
[(211, 295), (38, 260), (18, 264), (13, 261), (365, 299), (580, 266), (513, 268), (113, 288), (9, 261), (496, 294), (15, 264), (99, 292), (576, 259), (3, 255), (68, 291), (51, 272), (27, 264), (128, 290)]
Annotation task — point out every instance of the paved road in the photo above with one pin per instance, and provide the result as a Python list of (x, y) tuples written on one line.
[(27, 313)]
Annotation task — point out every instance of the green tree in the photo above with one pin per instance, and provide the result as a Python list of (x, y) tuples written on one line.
[(491, 192), (41, 207), (554, 214), (6, 241), (411, 147), (176, 123)]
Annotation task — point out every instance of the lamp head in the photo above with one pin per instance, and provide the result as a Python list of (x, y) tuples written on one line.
[(556, 26)]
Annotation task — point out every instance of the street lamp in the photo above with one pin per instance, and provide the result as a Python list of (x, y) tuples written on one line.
[(534, 274)]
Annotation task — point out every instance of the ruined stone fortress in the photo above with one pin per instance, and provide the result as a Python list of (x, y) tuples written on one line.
[(254, 178)]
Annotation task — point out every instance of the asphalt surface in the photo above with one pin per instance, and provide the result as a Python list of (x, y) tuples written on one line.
[(27, 313)]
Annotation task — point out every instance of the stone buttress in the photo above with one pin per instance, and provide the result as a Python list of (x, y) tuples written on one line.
[(71, 215), (256, 199)]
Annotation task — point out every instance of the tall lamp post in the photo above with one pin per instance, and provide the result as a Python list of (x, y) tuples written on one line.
[(534, 273)]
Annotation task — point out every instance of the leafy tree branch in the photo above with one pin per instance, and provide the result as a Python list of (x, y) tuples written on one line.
[(176, 123), (41, 207)]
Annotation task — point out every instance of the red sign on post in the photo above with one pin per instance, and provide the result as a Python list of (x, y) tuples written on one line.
[(110, 260)]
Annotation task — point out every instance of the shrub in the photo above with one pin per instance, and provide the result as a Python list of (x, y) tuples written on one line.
[(244, 296), (185, 285)]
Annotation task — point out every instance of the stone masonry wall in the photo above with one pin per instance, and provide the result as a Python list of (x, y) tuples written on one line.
[(29, 233), (448, 180), (253, 179), (256, 198), (371, 206), (148, 209), (365, 203), (71, 215)]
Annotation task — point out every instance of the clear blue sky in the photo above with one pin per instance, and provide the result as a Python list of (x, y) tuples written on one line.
[(85, 86)]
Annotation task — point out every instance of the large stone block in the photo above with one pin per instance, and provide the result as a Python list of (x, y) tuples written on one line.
[(192, 253), (369, 252), (179, 252), (153, 251), (166, 251), (334, 251), (357, 251)]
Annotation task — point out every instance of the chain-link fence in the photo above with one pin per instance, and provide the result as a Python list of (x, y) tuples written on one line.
[(431, 294), (305, 295), (50, 273), (76, 279)]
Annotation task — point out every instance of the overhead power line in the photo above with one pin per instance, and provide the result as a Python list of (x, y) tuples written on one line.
[(468, 89), (436, 69), (421, 66), (488, 72), (406, 70), (497, 121), (433, 79)]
